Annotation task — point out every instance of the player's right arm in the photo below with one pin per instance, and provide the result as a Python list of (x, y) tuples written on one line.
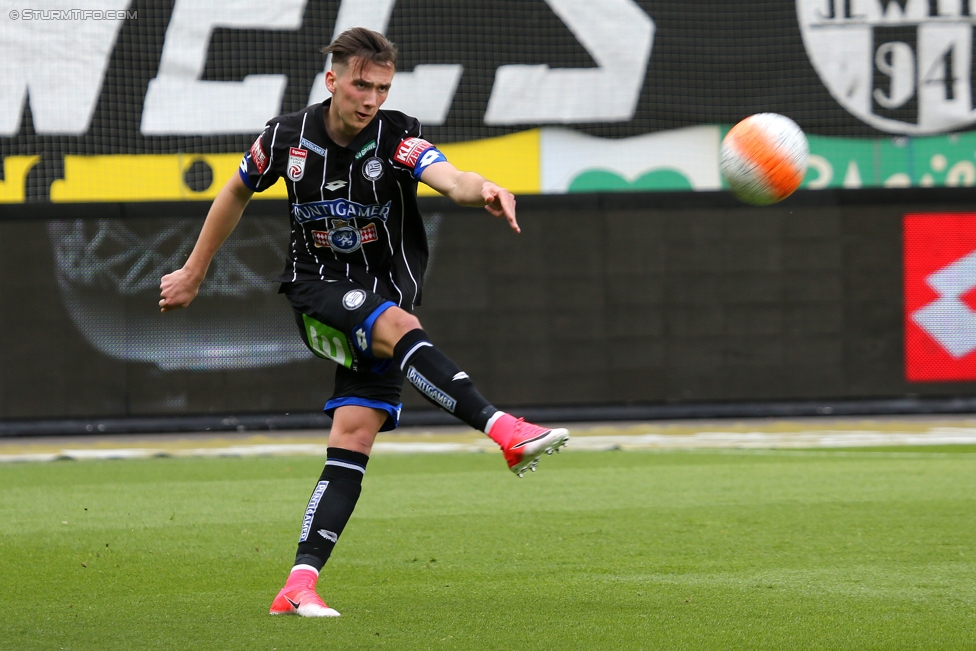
[(179, 288)]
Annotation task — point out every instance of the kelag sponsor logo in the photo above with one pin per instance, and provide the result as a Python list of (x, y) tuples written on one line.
[(307, 212), (257, 155), (410, 150), (940, 297)]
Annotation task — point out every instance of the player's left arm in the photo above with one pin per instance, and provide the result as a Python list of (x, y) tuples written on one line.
[(471, 189)]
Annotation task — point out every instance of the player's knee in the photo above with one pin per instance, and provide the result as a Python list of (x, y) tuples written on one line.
[(354, 428), (360, 433), (389, 328), (406, 322)]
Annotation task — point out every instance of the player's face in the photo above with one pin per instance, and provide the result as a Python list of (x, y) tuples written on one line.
[(358, 89)]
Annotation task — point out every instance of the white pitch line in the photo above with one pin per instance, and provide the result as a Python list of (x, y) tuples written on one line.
[(700, 440), (811, 439)]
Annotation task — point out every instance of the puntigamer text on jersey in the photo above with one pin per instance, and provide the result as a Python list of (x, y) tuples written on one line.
[(307, 212)]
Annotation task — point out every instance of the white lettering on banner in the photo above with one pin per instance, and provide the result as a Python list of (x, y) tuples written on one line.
[(617, 34), (902, 66), (426, 93), (59, 64), (178, 102)]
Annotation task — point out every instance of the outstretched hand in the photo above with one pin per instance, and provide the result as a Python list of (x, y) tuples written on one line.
[(500, 203), (177, 290)]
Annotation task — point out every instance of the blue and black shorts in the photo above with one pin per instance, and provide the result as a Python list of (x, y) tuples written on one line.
[(336, 320)]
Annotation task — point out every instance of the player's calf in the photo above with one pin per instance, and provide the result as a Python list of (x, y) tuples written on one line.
[(440, 380)]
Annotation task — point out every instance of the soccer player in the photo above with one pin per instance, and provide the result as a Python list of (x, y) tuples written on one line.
[(353, 277)]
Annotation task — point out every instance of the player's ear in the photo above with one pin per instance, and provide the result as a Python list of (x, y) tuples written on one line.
[(330, 79)]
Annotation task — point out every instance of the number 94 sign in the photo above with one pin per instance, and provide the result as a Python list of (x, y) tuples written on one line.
[(902, 66)]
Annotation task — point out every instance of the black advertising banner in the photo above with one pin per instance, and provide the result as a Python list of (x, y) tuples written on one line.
[(136, 100), (603, 300), (120, 120)]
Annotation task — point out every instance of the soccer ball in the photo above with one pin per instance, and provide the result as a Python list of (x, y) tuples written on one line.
[(764, 158)]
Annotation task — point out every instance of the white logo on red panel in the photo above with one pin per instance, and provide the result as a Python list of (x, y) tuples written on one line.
[(940, 297), (258, 156), (409, 151), (948, 319), (296, 163)]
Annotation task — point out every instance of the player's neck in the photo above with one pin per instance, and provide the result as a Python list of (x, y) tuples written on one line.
[(339, 132)]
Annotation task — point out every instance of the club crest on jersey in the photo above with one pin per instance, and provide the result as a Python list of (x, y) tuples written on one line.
[(296, 163), (353, 299), (373, 169), (323, 239)]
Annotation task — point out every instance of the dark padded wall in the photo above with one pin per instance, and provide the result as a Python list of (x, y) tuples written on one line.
[(603, 299), (638, 304)]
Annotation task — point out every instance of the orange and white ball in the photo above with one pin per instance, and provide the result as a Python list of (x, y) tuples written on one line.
[(764, 158)]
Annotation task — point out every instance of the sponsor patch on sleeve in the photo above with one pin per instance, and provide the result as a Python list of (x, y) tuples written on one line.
[(409, 151), (258, 156)]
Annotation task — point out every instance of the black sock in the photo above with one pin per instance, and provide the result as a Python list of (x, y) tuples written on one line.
[(330, 506), (440, 380)]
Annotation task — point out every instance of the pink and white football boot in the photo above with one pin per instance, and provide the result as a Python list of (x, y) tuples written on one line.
[(523, 443), (298, 597)]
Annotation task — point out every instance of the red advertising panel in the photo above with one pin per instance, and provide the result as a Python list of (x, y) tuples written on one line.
[(940, 297)]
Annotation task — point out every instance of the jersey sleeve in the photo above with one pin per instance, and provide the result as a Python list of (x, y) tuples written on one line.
[(257, 169), (416, 154)]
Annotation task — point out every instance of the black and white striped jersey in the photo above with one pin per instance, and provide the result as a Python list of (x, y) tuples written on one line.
[(354, 209)]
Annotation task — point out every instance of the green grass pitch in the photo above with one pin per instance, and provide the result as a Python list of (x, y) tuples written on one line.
[(868, 549)]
